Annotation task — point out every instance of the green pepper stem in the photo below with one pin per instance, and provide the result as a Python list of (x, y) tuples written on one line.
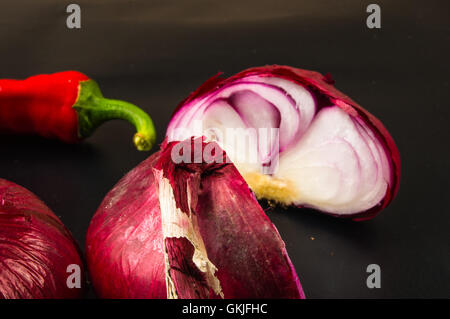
[(93, 110)]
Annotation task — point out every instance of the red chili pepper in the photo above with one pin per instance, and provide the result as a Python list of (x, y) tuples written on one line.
[(68, 106)]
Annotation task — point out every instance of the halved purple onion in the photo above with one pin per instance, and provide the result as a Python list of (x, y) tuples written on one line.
[(295, 139)]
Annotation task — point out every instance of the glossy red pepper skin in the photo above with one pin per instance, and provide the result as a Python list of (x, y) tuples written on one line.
[(67, 106), (42, 105)]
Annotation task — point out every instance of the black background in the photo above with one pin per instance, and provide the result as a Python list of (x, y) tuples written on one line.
[(153, 53)]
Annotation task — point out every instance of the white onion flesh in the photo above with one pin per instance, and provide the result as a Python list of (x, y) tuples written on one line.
[(325, 158)]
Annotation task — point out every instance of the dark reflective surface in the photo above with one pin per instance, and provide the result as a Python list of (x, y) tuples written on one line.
[(153, 53)]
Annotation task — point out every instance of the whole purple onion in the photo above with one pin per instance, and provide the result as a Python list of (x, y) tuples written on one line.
[(187, 230), (38, 256)]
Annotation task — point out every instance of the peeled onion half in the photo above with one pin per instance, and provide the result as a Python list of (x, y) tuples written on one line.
[(295, 139)]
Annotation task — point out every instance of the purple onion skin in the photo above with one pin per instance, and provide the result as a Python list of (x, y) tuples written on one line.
[(325, 94), (240, 240), (35, 248), (125, 240)]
